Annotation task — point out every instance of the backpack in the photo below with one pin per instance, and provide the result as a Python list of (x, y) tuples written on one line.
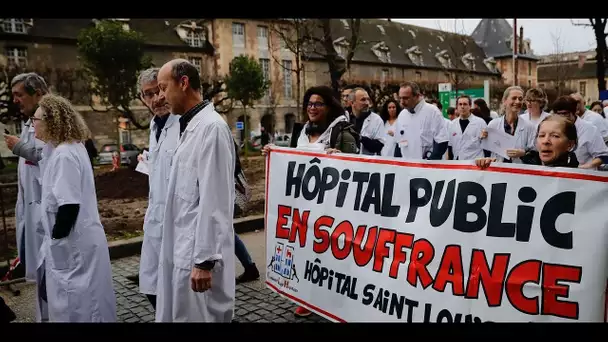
[(242, 189), (343, 126)]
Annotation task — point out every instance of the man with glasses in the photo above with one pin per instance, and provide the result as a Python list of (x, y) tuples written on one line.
[(591, 151), (164, 137)]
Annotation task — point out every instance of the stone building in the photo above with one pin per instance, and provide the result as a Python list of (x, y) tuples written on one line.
[(574, 71), (396, 52), (48, 46), (495, 37)]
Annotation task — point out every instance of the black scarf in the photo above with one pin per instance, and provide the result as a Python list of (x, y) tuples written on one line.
[(564, 160)]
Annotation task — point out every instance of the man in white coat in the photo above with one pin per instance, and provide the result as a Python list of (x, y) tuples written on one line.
[(196, 275), (369, 124), (464, 133), (164, 137), (590, 116), (27, 91), (421, 132)]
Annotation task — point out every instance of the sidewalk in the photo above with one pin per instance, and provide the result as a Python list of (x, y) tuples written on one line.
[(254, 302)]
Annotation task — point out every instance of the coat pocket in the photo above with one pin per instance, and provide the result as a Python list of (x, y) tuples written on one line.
[(186, 183), (61, 253)]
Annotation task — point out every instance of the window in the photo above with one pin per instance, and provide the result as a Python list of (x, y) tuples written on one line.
[(541, 85), (385, 75), (14, 25), (529, 68), (582, 88), (194, 39), (265, 64), (287, 78), (238, 35), (262, 37), (197, 62), (16, 56), (284, 33), (418, 76), (529, 83)]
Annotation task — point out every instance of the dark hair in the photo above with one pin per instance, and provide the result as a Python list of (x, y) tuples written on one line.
[(598, 103), (569, 127), (451, 110), (564, 102), (384, 112), (182, 68), (463, 96), (334, 107), (484, 110), (413, 85)]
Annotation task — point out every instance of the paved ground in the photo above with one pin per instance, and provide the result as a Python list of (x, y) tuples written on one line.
[(254, 302)]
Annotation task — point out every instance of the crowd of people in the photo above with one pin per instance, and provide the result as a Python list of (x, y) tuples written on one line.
[(187, 267)]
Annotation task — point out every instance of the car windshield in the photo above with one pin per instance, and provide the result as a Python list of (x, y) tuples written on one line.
[(109, 148)]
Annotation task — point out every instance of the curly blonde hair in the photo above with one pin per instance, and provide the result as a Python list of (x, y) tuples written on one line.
[(63, 124)]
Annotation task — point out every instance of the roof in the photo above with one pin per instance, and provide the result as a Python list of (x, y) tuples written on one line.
[(549, 72), (492, 35), (158, 32), (399, 37)]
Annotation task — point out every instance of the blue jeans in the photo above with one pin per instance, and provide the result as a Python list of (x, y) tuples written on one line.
[(241, 252)]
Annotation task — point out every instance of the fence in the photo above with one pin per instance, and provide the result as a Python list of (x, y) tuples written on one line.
[(8, 197)]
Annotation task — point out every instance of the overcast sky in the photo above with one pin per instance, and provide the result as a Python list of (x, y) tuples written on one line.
[(539, 31)]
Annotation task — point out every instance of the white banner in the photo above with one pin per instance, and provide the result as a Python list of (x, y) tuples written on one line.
[(364, 239)]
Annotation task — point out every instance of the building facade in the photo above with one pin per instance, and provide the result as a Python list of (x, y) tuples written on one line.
[(574, 71)]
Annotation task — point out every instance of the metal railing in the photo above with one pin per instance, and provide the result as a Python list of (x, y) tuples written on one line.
[(7, 255)]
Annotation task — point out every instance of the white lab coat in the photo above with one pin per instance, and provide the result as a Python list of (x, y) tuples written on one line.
[(536, 122), (373, 128), (78, 272), (29, 230), (27, 211), (198, 224), (590, 143), (159, 164), (525, 136), (416, 132), (466, 145), (389, 141), (598, 121)]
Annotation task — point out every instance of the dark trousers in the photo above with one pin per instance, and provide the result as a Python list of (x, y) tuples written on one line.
[(241, 251), (152, 299)]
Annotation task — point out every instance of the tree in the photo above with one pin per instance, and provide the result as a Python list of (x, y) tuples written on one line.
[(457, 46), (113, 58), (561, 68), (599, 29), (293, 37), (246, 84)]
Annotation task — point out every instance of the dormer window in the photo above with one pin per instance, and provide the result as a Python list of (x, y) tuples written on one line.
[(382, 51), (341, 46), (469, 61), (444, 58), (381, 28), (16, 25), (124, 22), (345, 23), (415, 55), (193, 33), (490, 63)]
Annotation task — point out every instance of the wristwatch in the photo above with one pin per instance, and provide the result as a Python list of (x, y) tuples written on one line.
[(206, 266)]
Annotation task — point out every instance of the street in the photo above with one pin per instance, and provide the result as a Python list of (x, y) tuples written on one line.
[(254, 302)]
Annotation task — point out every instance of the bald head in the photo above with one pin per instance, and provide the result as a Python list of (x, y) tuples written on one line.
[(580, 103), (179, 84)]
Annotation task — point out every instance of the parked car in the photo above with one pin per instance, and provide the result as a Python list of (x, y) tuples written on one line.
[(128, 154), (282, 140)]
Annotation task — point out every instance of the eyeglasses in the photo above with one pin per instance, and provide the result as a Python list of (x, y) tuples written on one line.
[(316, 105), (150, 94)]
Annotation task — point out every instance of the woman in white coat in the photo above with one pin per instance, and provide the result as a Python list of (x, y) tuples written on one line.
[(74, 251), (523, 130), (390, 112)]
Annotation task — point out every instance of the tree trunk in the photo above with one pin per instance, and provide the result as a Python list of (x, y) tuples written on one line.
[(600, 38)]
